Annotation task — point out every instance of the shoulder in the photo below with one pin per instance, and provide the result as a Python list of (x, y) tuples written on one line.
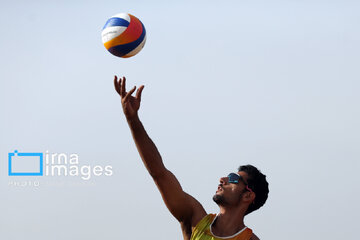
[(254, 237), (206, 219)]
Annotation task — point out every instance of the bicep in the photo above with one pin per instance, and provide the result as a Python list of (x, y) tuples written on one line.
[(181, 205)]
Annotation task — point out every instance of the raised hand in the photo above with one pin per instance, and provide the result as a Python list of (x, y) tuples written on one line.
[(130, 104)]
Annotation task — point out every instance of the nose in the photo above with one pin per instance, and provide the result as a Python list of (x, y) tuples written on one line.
[(224, 180)]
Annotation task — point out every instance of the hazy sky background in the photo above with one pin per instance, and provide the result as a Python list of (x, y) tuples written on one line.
[(270, 83)]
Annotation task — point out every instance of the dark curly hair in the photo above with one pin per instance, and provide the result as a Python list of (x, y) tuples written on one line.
[(257, 182)]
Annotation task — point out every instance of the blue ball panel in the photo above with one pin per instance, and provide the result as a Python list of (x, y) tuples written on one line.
[(116, 22)]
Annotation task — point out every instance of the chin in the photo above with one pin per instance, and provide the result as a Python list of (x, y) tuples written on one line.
[(218, 199)]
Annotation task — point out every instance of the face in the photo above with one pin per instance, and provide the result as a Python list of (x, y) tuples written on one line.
[(229, 193)]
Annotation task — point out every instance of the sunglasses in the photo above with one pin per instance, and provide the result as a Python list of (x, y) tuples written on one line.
[(235, 178)]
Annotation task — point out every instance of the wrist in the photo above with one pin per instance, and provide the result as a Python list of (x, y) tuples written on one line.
[(133, 118)]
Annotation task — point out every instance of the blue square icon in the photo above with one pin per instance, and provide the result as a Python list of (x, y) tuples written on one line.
[(25, 164)]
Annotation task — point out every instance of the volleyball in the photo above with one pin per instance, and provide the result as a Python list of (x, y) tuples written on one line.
[(123, 35)]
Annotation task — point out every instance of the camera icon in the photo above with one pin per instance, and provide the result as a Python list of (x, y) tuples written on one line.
[(25, 164)]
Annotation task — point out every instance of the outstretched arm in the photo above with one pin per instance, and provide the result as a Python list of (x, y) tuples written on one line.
[(183, 207)]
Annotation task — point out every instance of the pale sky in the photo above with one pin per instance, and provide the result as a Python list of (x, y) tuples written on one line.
[(269, 83)]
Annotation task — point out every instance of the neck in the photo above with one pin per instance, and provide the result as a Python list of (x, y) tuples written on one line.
[(229, 221)]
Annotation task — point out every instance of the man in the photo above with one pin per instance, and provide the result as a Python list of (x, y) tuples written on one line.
[(237, 195)]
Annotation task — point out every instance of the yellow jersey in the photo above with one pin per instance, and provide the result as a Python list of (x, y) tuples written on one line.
[(202, 231)]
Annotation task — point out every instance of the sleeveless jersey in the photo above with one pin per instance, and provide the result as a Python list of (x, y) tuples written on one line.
[(202, 231)]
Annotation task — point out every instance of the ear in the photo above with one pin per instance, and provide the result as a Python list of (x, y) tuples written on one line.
[(249, 197)]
